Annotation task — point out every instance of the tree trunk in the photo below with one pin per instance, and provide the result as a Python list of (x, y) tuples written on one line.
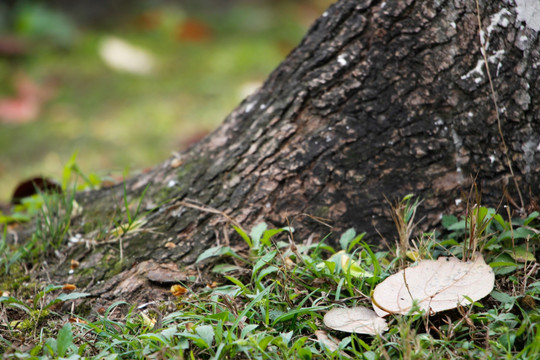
[(380, 99)]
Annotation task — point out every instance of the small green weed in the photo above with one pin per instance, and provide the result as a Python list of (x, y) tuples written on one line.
[(32, 313), (52, 214)]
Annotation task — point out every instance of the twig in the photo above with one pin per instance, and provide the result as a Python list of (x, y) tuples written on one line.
[(204, 208), (494, 98)]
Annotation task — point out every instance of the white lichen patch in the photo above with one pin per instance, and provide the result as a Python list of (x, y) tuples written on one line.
[(249, 107), (458, 143), (496, 58), (476, 70), (498, 19), (529, 150), (341, 59)]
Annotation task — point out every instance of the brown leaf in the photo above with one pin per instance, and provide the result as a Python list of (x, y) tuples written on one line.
[(193, 30), (74, 264), (434, 285), (178, 290), (34, 185), (176, 162), (170, 245), (77, 320), (148, 20), (69, 287)]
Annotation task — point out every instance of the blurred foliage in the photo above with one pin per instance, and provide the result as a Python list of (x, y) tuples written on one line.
[(37, 21), (207, 62)]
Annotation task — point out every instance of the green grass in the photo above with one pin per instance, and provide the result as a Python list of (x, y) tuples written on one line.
[(269, 303)]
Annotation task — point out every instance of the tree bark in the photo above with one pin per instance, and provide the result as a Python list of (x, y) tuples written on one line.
[(379, 100)]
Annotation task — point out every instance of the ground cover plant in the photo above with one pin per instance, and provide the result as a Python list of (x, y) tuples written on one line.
[(268, 299)]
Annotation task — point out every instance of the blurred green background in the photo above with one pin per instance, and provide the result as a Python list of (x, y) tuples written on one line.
[(125, 83)]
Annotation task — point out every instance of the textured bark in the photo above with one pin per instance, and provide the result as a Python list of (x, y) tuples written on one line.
[(379, 100)]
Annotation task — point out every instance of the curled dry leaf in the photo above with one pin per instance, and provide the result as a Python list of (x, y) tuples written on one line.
[(74, 264), (176, 162), (69, 287), (358, 320), (178, 290), (77, 320), (170, 245), (34, 186), (527, 302), (434, 286), (323, 338)]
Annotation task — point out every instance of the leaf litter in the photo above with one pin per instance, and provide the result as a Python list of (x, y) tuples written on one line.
[(430, 285)]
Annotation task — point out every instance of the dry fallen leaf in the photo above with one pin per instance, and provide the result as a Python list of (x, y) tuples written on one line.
[(434, 285), (120, 55), (176, 162), (69, 287), (324, 340), (170, 245), (34, 185), (358, 320), (178, 290), (146, 320), (193, 30), (77, 320), (74, 264), (527, 302)]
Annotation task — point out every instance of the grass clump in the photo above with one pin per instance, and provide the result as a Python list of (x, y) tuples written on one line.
[(269, 302)]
